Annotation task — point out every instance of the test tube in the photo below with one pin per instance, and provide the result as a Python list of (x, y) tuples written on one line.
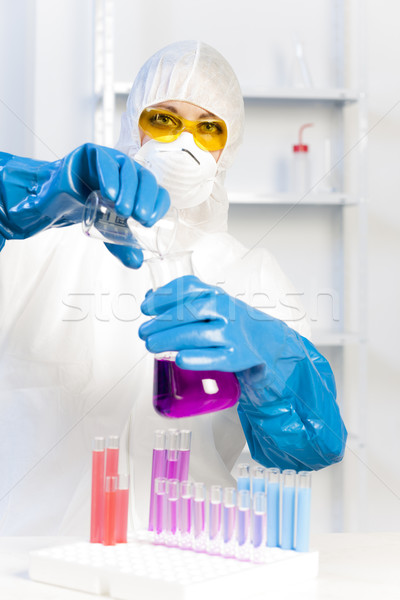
[(121, 525), (243, 516), (229, 514), (172, 453), (172, 505), (258, 480), (259, 517), (288, 508), (303, 511), (112, 456), (199, 513), (158, 469), (273, 489), (185, 437), (97, 507), (185, 516), (243, 481), (215, 509), (160, 488), (110, 510)]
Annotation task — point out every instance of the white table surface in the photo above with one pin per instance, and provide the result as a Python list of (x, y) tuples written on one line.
[(353, 566)]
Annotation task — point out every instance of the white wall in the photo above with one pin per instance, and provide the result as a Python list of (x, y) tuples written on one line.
[(383, 408), (46, 98), (16, 82)]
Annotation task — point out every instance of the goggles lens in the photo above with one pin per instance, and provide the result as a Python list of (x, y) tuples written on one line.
[(161, 125)]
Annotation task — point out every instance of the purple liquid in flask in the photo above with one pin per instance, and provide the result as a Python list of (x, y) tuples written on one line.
[(180, 392), (183, 393)]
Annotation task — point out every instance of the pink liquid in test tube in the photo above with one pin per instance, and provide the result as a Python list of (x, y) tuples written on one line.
[(112, 456), (185, 437), (185, 504), (172, 505), (199, 518), (97, 508), (110, 510), (121, 525), (172, 453), (158, 469)]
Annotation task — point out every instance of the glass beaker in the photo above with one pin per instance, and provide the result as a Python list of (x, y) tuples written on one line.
[(102, 222), (181, 392)]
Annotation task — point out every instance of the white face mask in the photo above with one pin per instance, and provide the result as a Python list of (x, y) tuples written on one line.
[(186, 171)]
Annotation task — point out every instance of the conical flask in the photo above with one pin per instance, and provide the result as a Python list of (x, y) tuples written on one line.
[(181, 392)]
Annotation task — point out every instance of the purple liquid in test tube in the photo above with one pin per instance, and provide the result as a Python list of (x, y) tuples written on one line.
[(160, 488), (172, 453), (172, 505), (185, 512), (185, 438), (215, 510), (243, 516), (158, 469), (229, 514)]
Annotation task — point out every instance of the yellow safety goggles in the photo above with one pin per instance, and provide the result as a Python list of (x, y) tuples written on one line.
[(164, 126)]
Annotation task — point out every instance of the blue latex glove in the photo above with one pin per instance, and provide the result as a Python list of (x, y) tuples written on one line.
[(37, 195), (287, 405)]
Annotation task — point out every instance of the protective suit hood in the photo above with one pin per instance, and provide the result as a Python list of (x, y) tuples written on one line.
[(184, 71)]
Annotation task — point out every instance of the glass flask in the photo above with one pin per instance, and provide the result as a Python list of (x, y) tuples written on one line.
[(102, 222), (181, 392)]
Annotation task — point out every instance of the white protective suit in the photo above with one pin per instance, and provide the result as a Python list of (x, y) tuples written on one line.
[(72, 365)]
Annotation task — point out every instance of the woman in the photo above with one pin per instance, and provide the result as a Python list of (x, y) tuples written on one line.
[(72, 361)]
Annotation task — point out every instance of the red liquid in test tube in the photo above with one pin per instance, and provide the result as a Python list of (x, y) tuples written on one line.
[(97, 506), (110, 511), (112, 456), (122, 505)]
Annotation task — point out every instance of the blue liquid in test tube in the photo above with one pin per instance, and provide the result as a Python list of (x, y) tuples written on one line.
[(258, 480), (288, 508), (273, 489), (243, 481), (303, 511)]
